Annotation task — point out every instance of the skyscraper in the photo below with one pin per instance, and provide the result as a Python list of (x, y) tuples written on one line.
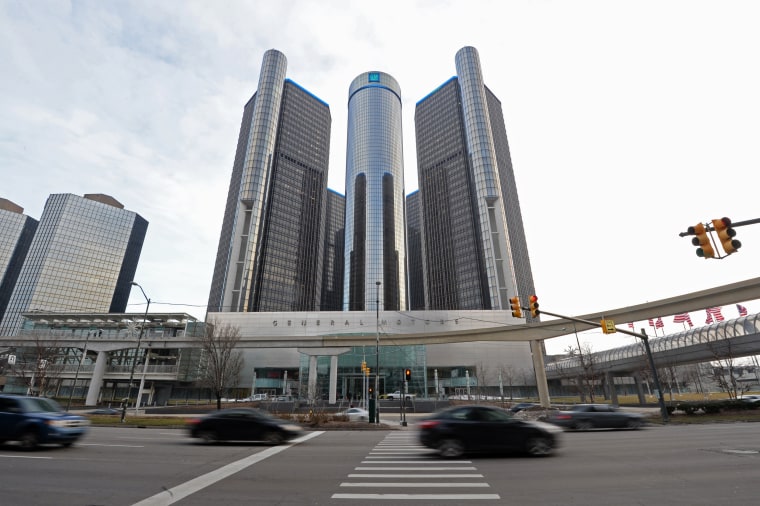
[(83, 256), (332, 272), (415, 252), (375, 235), (16, 233), (475, 245), (271, 247)]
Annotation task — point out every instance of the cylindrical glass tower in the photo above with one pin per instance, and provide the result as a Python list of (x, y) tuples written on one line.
[(375, 239)]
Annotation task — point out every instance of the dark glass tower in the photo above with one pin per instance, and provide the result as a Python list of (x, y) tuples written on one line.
[(415, 252), (271, 247), (474, 243), (332, 271)]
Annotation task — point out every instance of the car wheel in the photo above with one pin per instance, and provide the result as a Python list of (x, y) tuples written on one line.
[(29, 440), (274, 438), (208, 436), (538, 446), (633, 423), (451, 448), (583, 425)]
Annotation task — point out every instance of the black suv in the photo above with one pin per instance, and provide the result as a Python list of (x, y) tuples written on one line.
[(37, 420)]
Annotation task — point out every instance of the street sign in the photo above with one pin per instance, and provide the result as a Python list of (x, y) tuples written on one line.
[(608, 327)]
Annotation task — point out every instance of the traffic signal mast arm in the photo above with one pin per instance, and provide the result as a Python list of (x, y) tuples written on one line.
[(733, 225), (589, 322), (643, 336)]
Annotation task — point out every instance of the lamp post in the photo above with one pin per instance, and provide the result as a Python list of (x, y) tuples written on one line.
[(134, 362), (377, 350), (76, 375)]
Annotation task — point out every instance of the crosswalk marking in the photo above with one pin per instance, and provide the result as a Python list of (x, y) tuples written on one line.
[(359, 475), (412, 462), (428, 497), (416, 484), (417, 468)]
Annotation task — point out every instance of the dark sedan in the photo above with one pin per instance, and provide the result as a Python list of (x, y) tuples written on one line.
[(243, 424), (480, 429), (597, 416)]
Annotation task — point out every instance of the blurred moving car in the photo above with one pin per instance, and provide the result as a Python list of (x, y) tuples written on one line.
[(33, 421), (356, 414), (479, 429), (243, 424), (104, 411), (596, 416), (522, 405), (750, 398)]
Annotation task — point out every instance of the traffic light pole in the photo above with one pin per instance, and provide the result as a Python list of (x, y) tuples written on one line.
[(643, 336)]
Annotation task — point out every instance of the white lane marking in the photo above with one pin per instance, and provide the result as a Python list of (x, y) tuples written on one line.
[(174, 494), (415, 484), (24, 457), (360, 475), (421, 468), (110, 445), (426, 497)]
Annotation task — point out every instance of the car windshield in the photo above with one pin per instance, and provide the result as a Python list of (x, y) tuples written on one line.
[(41, 405)]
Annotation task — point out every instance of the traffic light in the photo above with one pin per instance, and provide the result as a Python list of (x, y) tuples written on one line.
[(514, 304), (408, 375), (533, 305), (702, 239), (726, 235)]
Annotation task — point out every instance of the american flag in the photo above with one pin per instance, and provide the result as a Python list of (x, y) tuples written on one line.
[(714, 312), (683, 318), (651, 322), (630, 325), (659, 324), (742, 310)]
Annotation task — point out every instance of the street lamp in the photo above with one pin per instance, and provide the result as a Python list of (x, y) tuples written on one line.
[(134, 362), (76, 375), (377, 350)]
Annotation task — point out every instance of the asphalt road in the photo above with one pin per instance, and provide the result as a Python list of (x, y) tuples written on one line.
[(670, 465)]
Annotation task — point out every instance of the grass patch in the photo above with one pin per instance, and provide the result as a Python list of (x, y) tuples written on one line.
[(139, 421)]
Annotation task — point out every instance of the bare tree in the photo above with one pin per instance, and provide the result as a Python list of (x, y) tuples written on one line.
[(508, 375), (223, 362), (39, 366), (725, 370)]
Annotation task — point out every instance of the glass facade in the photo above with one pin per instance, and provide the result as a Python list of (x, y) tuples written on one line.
[(415, 251), (332, 270), (476, 252), (456, 274), (16, 233), (375, 249), (83, 257), (272, 246)]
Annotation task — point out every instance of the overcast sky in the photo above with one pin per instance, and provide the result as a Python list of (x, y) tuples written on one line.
[(627, 123)]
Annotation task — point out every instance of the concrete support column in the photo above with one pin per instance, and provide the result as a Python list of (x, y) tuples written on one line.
[(312, 388), (333, 353), (610, 378), (93, 393), (333, 378), (540, 369), (639, 388)]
